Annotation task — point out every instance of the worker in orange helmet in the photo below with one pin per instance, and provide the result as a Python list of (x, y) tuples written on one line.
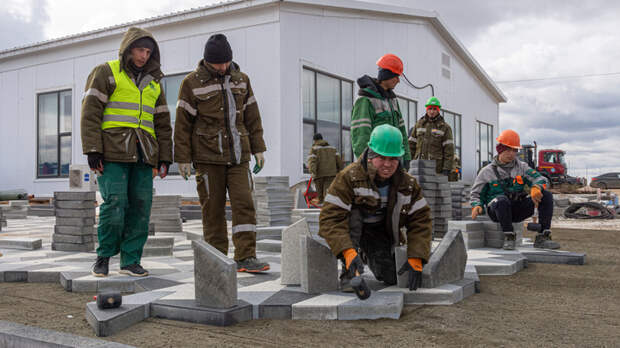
[(500, 188), (377, 105)]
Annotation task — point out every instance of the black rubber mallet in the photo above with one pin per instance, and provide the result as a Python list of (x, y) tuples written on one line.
[(360, 287), (109, 300)]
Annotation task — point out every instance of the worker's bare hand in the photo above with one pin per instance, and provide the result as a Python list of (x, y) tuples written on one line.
[(475, 211)]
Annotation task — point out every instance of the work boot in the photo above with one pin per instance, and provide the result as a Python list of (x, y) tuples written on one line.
[(543, 241), (134, 270), (509, 240), (100, 268), (252, 265), (345, 279)]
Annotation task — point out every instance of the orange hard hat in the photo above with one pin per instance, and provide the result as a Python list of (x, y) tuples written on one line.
[(509, 138), (392, 63)]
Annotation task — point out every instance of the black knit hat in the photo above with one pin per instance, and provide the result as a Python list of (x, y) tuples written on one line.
[(143, 42), (217, 50), (385, 74), (317, 136)]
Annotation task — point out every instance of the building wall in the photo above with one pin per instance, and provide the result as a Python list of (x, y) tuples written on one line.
[(348, 44)]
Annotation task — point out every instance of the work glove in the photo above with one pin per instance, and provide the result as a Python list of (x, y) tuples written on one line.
[(185, 170), (260, 162), (163, 168), (353, 262), (414, 267), (536, 195), (95, 161), (475, 211), (445, 172)]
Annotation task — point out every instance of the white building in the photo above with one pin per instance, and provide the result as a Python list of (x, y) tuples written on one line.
[(303, 57)]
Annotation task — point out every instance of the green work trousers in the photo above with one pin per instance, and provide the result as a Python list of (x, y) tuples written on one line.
[(212, 182), (127, 191)]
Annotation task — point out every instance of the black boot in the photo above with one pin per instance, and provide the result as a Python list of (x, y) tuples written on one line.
[(543, 241), (100, 268)]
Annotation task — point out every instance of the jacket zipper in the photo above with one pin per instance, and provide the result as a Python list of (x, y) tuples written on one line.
[(230, 145)]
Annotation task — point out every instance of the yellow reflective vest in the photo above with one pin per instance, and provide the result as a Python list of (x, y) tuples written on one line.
[(131, 106)]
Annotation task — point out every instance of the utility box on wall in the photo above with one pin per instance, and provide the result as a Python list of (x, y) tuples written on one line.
[(81, 178)]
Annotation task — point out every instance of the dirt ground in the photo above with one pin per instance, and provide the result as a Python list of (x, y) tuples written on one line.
[(543, 305)]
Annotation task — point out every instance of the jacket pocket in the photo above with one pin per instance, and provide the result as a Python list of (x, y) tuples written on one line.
[(119, 143), (210, 106), (208, 142)]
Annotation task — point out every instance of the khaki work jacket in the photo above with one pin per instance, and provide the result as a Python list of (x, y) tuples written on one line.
[(432, 140), (324, 160)]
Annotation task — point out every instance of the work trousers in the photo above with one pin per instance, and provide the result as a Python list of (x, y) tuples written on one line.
[(212, 183), (322, 184), (127, 191), (506, 211), (375, 247)]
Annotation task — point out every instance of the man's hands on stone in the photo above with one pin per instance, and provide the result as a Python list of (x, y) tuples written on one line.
[(414, 267)]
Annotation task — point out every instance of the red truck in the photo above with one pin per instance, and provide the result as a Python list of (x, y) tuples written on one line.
[(549, 162)]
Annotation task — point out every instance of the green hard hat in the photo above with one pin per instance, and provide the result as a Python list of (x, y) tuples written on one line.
[(433, 101), (387, 141)]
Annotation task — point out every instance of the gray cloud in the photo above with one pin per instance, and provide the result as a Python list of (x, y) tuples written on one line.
[(16, 31)]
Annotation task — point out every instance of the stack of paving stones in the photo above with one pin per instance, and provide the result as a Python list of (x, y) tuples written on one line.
[(494, 236), (166, 214), (2, 219), (75, 217), (460, 200), (16, 209), (311, 216), (436, 191), (274, 201), (473, 232)]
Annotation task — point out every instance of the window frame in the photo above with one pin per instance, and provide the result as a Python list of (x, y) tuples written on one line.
[(457, 147), (409, 113), (314, 122), (59, 135), (175, 171), (489, 130)]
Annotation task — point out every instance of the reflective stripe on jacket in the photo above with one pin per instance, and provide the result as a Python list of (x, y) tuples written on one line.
[(431, 139), (131, 106)]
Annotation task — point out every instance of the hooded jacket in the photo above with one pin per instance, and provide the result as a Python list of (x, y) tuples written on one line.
[(431, 139), (121, 144), (516, 175), (374, 106), (354, 188), (324, 160), (217, 121)]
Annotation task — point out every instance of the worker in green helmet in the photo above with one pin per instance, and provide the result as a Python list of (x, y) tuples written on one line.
[(367, 205), (431, 138)]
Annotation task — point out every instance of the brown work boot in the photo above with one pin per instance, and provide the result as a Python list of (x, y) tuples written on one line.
[(509, 241), (252, 265), (543, 241)]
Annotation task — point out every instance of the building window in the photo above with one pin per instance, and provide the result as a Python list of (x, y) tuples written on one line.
[(484, 145), (454, 120), (54, 134), (327, 105), (409, 110), (171, 85)]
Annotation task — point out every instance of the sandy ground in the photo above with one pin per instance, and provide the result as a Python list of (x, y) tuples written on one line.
[(543, 305)]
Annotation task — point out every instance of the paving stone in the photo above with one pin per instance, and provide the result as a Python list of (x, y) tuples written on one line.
[(319, 267), (553, 256), (322, 307), (157, 251), (43, 277), (447, 262), (446, 294), (190, 311), (67, 238), (472, 274), (17, 335), (74, 204), (422, 171), (73, 247), (279, 305), (15, 276), (400, 257), (75, 230), (20, 243), (74, 196), (291, 252), (422, 164), (111, 321), (269, 245), (215, 277), (68, 221), (378, 305), (154, 283), (66, 279), (465, 226)]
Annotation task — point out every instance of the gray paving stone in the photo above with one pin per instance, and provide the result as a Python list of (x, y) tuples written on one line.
[(465, 226), (269, 232), (111, 321), (68, 221), (20, 243), (215, 277), (74, 196), (67, 238), (319, 267), (322, 307), (73, 247), (378, 305), (157, 251), (15, 276), (554, 257), (291, 252), (279, 305), (17, 335), (422, 164), (76, 213), (190, 311), (66, 279), (43, 277), (400, 256), (75, 230), (447, 262), (269, 245), (74, 204)]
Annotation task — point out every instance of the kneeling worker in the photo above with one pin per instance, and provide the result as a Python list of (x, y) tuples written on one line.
[(365, 207), (500, 187)]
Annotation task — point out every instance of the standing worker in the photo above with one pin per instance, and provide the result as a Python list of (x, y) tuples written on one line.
[(218, 127), (431, 139), (324, 162), (366, 207), (500, 188), (377, 105), (125, 134)]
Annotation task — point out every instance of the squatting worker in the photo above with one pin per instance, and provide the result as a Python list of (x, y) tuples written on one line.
[(125, 134), (500, 187), (377, 105), (218, 127), (365, 208), (324, 163), (431, 139)]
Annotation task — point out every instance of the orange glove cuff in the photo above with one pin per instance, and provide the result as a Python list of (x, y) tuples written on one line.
[(415, 263), (535, 191), (349, 255)]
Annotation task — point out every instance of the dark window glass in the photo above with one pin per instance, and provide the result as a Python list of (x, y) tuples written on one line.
[(54, 117), (171, 85)]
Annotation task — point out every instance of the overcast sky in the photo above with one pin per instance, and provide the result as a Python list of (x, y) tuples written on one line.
[(550, 41)]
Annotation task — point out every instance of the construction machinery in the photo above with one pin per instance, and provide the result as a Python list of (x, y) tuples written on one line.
[(549, 162)]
